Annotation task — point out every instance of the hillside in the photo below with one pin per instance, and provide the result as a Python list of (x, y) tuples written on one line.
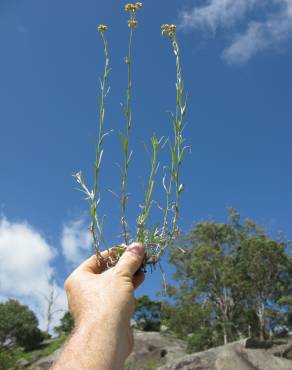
[(153, 350)]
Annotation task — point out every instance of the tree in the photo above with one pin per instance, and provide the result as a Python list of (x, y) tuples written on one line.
[(262, 268), (200, 340), (66, 326), (226, 273), (207, 272), (18, 326), (51, 297), (147, 314), (286, 304), (193, 321)]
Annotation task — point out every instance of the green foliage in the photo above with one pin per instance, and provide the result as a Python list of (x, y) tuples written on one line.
[(230, 279), (245, 323), (147, 314), (286, 304), (18, 326), (185, 317), (286, 301), (201, 340), (152, 364), (66, 325), (262, 267), (8, 358), (43, 351)]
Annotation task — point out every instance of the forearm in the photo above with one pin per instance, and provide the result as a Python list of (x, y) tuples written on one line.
[(102, 302), (96, 345)]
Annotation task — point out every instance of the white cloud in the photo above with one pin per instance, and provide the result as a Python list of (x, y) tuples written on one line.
[(217, 13), (26, 272), (76, 242), (273, 31)]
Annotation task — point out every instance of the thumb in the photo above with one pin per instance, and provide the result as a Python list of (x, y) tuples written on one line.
[(132, 259)]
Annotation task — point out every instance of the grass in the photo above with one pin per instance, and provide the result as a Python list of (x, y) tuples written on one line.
[(9, 359), (152, 364)]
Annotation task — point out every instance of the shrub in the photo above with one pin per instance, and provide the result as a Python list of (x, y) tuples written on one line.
[(66, 326), (18, 326), (200, 340), (147, 314), (6, 360)]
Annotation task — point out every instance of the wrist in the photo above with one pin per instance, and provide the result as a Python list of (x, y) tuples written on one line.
[(100, 320), (107, 329), (95, 344)]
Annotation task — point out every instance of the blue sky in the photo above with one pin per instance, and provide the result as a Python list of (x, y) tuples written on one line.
[(236, 60)]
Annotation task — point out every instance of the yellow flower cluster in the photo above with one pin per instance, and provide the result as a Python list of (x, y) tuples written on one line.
[(133, 7), (168, 30), (132, 23), (102, 28)]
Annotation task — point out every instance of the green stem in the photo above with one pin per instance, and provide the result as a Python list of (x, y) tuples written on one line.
[(96, 225), (178, 136), (168, 191), (177, 151), (142, 219), (126, 137)]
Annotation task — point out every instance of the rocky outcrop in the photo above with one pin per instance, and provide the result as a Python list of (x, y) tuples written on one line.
[(233, 356), (45, 363), (160, 351), (22, 363), (152, 350)]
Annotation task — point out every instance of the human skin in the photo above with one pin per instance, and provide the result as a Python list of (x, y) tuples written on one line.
[(102, 302)]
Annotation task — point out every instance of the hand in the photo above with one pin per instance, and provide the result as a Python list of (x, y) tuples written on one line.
[(104, 297)]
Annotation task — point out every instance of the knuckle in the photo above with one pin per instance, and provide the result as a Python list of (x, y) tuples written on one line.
[(133, 256), (118, 271), (132, 259)]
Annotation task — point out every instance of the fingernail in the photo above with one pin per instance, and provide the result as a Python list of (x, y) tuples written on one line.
[(136, 248)]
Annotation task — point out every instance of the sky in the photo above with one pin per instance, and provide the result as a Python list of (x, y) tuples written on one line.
[(236, 59)]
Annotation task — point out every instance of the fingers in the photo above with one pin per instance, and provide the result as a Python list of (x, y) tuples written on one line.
[(131, 259), (95, 264), (138, 279)]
